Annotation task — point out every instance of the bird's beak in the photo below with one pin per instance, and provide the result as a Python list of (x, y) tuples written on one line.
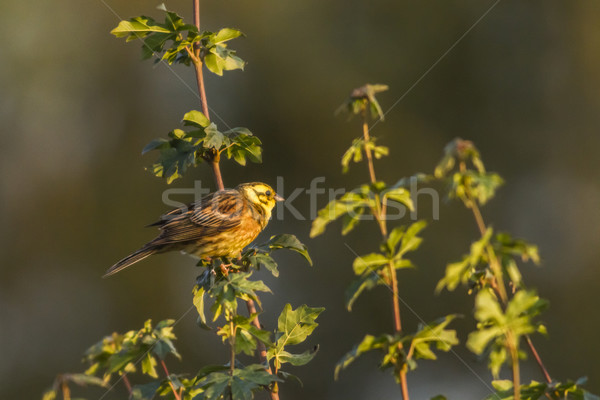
[(279, 198)]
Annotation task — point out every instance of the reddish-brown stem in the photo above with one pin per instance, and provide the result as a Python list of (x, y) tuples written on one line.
[(197, 60), (538, 359), (261, 349), (380, 213), (127, 383), (175, 392), (214, 163)]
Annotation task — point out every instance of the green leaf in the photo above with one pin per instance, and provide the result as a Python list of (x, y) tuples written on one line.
[(410, 240), (137, 25), (369, 263), (244, 146), (368, 343), (366, 282), (155, 144), (354, 153), (149, 366), (400, 195), (196, 118), (293, 327), (226, 34), (500, 330), (49, 395), (146, 391), (350, 221), (463, 271), (349, 203), (84, 380), (198, 301), (264, 260), (242, 383), (213, 138), (289, 377), (433, 334), (287, 241), (298, 359)]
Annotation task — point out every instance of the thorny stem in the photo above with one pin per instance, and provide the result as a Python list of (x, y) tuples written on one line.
[(499, 287), (164, 367), (214, 163), (380, 213), (127, 383)]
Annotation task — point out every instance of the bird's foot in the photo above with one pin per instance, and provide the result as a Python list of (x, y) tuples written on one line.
[(225, 269)]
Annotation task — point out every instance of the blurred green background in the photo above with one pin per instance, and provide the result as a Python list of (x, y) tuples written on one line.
[(77, 106)]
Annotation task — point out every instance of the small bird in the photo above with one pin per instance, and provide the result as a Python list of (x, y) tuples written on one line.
[(219, 225)]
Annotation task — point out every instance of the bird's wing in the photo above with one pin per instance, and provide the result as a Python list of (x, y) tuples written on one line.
[(215, 213)]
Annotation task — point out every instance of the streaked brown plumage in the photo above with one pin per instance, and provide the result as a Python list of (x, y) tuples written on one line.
[(220, 225)]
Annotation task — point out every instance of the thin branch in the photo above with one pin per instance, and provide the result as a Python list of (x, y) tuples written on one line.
[(538, 359), (66, 392), (175, 392), (232, 345), (514, 355), (380, 215), (127, 383), (367, 149), (197, 60)]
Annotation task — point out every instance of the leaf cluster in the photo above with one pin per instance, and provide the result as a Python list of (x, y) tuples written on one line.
[(360, 145), (501, 329), (373, 269), (363, 99), (474, 269), (120, 353), (420, 345), (537, 390), (466, 184), (352, 206), (177, 42), (204, 143)]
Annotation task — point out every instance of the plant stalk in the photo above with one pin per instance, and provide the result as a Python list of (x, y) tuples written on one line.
[(66, 392), (197, 60), (380, 215), (232, 345), (367, 149), (127, 384), (214, 163), (538, 359), (514, 355), (175, 392)]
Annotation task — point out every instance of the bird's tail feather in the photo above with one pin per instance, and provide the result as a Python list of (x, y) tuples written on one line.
[(130, 260)]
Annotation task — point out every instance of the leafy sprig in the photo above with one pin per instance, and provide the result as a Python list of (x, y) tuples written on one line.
[(190, 148), (177, 42)]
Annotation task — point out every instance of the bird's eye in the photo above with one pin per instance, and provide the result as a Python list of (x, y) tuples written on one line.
[(268, 193)]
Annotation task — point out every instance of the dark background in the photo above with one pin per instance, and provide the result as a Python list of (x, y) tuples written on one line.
[(78, 105)]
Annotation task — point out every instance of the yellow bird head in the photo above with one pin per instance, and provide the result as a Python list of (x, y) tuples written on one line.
[(261, 195)]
